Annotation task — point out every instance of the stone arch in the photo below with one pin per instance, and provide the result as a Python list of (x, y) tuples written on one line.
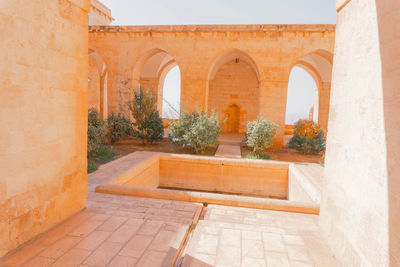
[(97, 83), (318, 64), (150, 71), (234, 78)]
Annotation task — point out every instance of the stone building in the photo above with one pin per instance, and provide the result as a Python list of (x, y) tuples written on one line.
[(241, 71), (43, 176)]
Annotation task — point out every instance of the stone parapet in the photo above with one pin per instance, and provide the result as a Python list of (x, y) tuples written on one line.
[(217, 28)]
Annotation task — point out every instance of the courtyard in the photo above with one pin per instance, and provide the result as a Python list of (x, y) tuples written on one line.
[(199, 133)]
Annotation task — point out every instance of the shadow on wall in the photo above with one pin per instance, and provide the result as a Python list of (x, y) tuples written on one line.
[(387, 13)]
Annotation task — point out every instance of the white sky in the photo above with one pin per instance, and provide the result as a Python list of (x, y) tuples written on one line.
[(166, 12)]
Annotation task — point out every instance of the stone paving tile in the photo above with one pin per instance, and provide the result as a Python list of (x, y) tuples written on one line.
[(136, 246), (60, 247), (150, 227), (24, 254), (153, 259), (72, 258), (162, 241), (103, 254), (251, 262), (228, 255), (125, 232), (55, 234), (85, 228), (198, 260), (39, 262), (120, 261), (207, 244), (252, 249), (277, 259), (92, 241)]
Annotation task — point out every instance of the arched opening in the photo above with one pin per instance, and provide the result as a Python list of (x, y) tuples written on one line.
[(171, 93), (302, 97), (97, 84), (233, 91), (158, 72), (310, 84)]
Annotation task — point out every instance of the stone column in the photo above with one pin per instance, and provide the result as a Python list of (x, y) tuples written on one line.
[(193, 90), (323, 105), (273, 105)]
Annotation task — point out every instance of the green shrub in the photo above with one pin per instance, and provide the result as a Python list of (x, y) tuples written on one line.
[(104, 155), (119, 127), (258, 156), (308, 137), (96, 132), (148, 124), (195, 131), (260, 135), (91, 166)]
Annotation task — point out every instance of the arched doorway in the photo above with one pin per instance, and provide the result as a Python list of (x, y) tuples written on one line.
[(97, 84), (158, 72), (316, 67), (171, 92), (302, 97), (233, 90)]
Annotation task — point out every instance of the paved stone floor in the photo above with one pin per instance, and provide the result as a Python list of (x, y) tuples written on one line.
[(112, 231), (228, 151), (230, 236)]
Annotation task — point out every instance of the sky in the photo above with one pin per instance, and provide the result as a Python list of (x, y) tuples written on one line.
[(168, 12)]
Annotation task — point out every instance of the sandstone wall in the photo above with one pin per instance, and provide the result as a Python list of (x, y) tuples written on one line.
[(274, 49), (43, 88), (360, 211)]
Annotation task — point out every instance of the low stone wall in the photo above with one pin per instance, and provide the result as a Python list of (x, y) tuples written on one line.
[(144, 175), (305, 182), (247, 177)]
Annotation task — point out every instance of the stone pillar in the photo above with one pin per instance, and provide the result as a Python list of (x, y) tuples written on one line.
[(44, 85), (273, 105), (193, 90), (323, 105), (103, 96), (360, 208)]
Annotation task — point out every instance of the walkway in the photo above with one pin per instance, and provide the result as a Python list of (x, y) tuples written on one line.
[(248, 237), (113, 230), (228, 151), (229, 146)]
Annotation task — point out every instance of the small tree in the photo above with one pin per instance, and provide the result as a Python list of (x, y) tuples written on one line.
[(308, 137), (119, 127), (195, 131), (148, 124), (96, 132), (260, 135)]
